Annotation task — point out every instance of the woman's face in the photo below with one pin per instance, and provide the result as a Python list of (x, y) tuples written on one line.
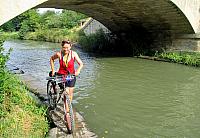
[(66, 48)]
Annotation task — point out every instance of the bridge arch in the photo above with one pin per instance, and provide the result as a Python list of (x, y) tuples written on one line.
[(155, 22), (172, 15), (120, 16)]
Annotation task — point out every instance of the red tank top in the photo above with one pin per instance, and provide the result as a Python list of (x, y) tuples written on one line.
[(70, 68)]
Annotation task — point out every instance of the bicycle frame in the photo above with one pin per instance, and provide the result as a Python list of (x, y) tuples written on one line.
[(69, 118)]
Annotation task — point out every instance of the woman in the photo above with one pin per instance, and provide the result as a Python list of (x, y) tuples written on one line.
[(67, 57)]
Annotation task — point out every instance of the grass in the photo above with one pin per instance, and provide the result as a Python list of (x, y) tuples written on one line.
[(20, 115)]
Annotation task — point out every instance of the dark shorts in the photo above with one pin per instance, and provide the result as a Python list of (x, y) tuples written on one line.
[(70, 83)]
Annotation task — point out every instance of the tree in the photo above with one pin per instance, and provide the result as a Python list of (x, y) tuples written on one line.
[(30, 22), (8, 27), (71, 19), (46, 18)]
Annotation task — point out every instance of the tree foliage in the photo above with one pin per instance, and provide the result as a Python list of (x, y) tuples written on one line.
[(70, 19), (32, 20)]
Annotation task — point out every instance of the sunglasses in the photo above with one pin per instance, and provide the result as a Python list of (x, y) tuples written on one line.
[(65, 42)]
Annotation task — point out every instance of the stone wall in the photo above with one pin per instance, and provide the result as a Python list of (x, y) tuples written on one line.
[(186, 43), (92, 26)]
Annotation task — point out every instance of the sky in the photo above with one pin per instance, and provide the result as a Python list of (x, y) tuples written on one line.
[(42, 10)]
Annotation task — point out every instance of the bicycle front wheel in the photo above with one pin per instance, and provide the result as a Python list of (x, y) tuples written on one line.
[(51, 94), (69, 115)]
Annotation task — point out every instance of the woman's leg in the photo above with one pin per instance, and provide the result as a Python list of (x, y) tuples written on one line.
[(71, 85), (71, 90), (66, 105)]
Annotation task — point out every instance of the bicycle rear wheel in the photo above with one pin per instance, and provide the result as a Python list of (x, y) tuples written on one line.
[(69, 116), (51, 94)]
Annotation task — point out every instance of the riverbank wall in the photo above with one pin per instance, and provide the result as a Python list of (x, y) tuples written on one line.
[(189, 42)]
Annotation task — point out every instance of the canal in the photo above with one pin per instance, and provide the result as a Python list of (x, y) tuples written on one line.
[(122, 96)]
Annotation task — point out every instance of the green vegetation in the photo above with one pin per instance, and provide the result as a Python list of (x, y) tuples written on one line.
[(103, 44), (182, 57), (96, 43), (52, 35), (54, 27), (9, 35), (20, 115), (49, 26)]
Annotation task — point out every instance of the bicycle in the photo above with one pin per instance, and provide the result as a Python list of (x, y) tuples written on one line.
[(54, 97)]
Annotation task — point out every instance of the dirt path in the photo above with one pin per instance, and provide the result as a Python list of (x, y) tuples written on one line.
[(60, 131), (57, 115)]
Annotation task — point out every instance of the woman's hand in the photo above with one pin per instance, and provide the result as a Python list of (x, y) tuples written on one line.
[(53, 73), (77, 73)]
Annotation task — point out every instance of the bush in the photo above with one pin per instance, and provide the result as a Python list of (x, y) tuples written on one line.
[(10, 35), (97, 43)]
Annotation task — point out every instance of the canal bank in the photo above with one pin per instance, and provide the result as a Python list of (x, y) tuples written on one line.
[(56, 117)]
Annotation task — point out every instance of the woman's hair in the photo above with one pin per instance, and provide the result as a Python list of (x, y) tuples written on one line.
[(66, 42)]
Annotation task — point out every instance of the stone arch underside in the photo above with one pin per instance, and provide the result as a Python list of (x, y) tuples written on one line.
[(141, 23), (129, 15), (141, 26), (117, 15)]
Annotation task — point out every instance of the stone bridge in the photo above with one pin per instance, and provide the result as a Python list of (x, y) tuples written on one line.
[(157, 22)]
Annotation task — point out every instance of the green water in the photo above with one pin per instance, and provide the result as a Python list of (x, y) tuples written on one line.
[(136, 98)]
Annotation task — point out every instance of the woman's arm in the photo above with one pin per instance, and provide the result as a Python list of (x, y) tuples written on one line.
[(55, 56), (79, 61)]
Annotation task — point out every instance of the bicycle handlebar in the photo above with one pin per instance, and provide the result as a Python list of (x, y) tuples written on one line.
[(63, 78)]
